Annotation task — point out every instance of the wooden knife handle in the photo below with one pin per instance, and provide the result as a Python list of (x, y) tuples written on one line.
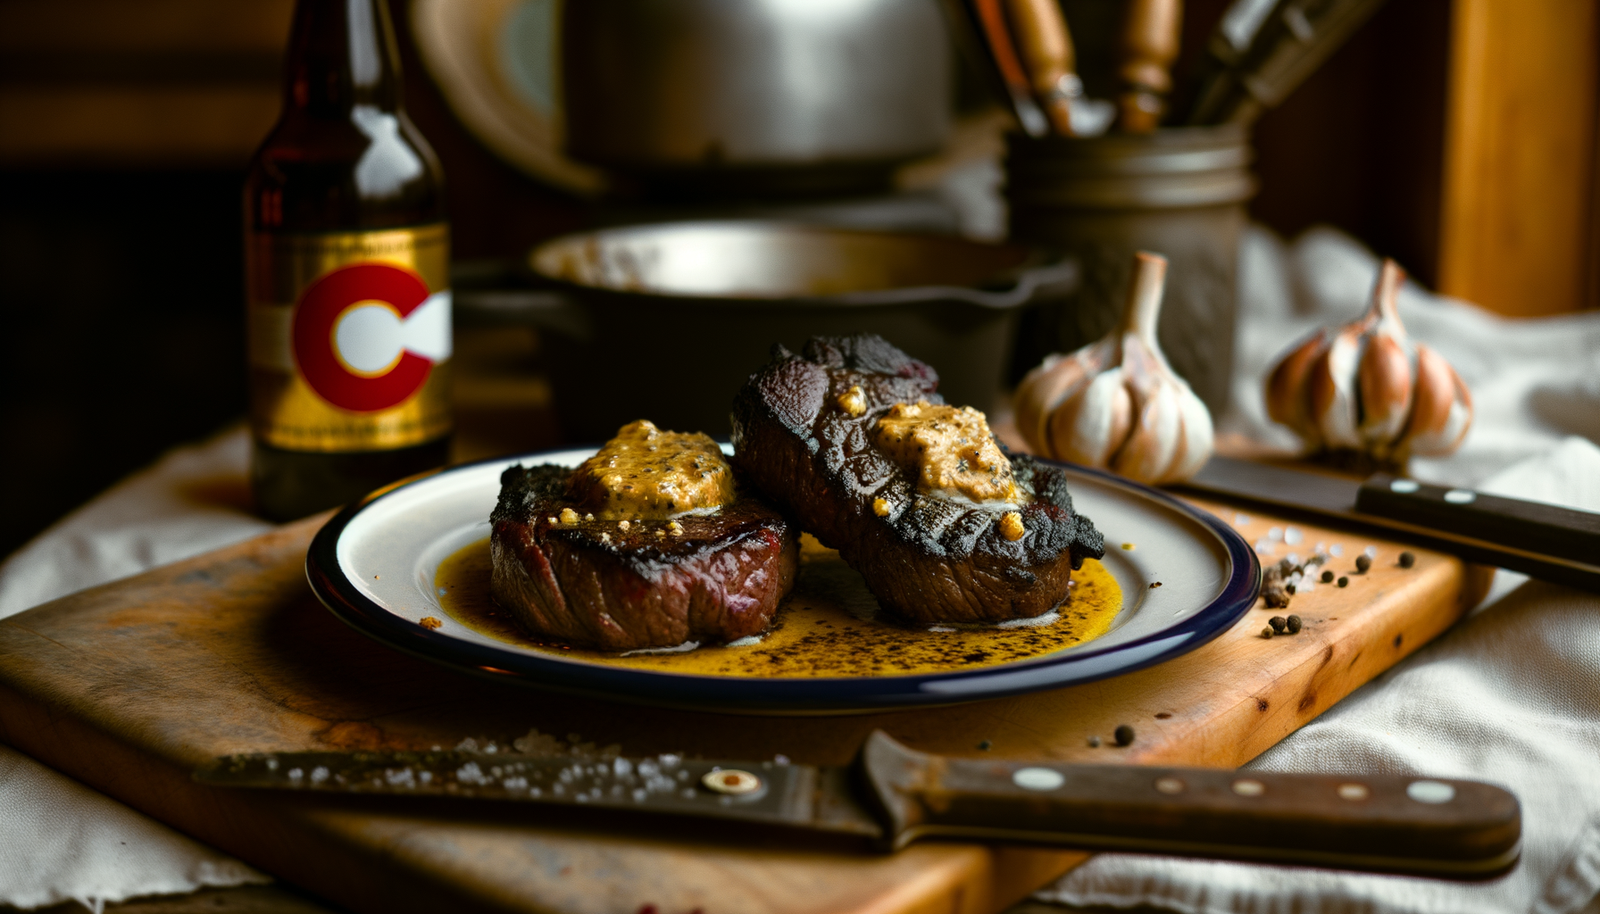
[(1149, 46), (1046, 49), (1387, 823), (1550, 530)]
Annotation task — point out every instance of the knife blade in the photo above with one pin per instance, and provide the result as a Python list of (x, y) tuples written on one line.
[(893, 795), (1540, 540)]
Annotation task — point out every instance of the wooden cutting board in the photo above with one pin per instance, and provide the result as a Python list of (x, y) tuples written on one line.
[(130, 686)]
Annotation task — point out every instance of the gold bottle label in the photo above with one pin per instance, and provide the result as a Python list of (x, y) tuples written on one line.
[(349, 338)]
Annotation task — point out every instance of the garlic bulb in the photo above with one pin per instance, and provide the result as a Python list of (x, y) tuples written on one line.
[(1117, 403), (1369, 389)]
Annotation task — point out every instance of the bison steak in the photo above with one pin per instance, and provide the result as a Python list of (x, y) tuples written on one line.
[(710, 577), (810, 434)]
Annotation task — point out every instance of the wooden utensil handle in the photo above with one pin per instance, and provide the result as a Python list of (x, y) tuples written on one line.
[(1149, 46), (1391, 823)]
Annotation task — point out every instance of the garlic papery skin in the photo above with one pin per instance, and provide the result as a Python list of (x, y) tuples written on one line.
[(1116, 404), (1366, 388), (1442, 413)]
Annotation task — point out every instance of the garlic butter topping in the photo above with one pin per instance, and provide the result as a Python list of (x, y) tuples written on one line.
[(646, 473), (950, 450)]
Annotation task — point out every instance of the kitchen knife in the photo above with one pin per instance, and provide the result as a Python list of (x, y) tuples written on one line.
[(1217, 76), (893, 795), (1544, 541), (1286, 49)]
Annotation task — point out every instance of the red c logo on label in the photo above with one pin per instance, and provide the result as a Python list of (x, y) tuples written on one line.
[(318, 312)]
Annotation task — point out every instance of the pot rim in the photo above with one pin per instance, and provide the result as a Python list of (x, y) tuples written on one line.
[(1008, 288)]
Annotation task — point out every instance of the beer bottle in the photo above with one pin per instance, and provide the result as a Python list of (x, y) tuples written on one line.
[(347, 258)]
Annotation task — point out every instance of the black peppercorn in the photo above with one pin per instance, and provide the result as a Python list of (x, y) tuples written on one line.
[(1094, 742), (1363, 562), (1278, 623), (1327, 577), (1124, 735), (1294, 625), (1290, 588), (986, 745), (1344, 582), (1407, 559)]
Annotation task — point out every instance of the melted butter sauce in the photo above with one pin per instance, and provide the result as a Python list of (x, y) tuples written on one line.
[(828, 626)]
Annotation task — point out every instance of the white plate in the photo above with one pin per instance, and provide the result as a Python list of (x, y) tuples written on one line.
[(374, 564)]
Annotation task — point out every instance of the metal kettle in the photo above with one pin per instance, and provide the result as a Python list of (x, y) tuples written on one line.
[(815, 94)]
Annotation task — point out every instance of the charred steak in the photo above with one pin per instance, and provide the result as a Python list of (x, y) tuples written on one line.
[(851, 439), (622, 556)]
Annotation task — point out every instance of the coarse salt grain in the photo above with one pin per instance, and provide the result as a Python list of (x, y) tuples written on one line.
[(1241, 520), (1293, 536), (1275, 534)]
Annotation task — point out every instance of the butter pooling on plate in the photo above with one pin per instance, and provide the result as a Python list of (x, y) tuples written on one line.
[(828, 626)]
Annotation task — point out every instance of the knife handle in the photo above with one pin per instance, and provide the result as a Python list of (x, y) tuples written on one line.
[(1530, 526), (1388, 823)]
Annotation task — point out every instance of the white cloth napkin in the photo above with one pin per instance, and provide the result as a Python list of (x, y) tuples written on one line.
[(59, 840), (193, 500), (1512, 695)]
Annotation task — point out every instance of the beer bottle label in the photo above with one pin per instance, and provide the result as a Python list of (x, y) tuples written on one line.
[(349, 338)]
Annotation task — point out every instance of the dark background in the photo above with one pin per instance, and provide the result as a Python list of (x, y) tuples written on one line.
[(123, 316)]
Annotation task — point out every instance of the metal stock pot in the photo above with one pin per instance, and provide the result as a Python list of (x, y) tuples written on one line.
[(812, 93)]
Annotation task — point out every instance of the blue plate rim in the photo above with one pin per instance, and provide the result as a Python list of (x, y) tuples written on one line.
[(789, 695)]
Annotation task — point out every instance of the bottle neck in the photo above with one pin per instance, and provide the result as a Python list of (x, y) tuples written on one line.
[(341, 55)]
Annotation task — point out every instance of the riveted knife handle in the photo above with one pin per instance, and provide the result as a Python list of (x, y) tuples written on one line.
[(1385, 823), (1549, 530)]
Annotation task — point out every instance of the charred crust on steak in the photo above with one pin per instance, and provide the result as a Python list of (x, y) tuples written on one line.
[(708, 577), (926, 556)]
